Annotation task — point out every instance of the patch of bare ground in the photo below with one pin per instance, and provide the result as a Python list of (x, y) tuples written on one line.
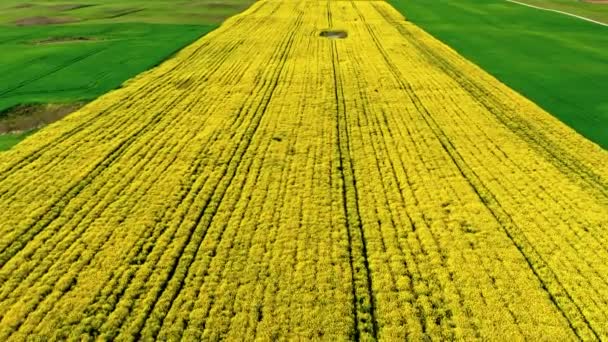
[(27, 117), (334, 34), (604, 2), (41, 20), (63, 40)]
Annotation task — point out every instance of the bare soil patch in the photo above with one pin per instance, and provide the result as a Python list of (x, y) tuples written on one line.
[(601, 2), (26, 117), (62, 40), (40, 20), (334, 34)]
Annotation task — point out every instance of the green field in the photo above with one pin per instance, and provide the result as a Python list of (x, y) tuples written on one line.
[(114, 41), (598, 12), (9, 140), (64, 72), (557, 61), (195, 12)]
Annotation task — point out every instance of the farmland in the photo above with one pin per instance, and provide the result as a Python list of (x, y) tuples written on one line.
[(592, 9), (559, 62), (270, 183), (90, 48)]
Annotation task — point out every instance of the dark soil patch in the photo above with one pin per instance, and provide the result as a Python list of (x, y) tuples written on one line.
[(60, 40), (334, 34), (32, 21), (27, 117), (69, 7)]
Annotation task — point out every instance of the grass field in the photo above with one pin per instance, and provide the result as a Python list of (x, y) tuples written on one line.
[(72, 71), (9, 140), (36, 66), (193, 12), (269, 183), (557, 61), (595, 11)]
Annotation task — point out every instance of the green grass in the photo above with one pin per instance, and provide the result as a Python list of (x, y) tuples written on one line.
[(9, 140), (122, 46), (557, 61), (65, 72), (194, 12), (598, 12)]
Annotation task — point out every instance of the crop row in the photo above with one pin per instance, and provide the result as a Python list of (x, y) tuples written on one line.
[(269, 183)]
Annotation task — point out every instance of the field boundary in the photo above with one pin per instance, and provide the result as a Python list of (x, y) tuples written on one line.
[(558, 11)]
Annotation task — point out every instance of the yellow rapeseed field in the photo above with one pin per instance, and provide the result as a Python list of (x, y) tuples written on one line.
[(270, 183)]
